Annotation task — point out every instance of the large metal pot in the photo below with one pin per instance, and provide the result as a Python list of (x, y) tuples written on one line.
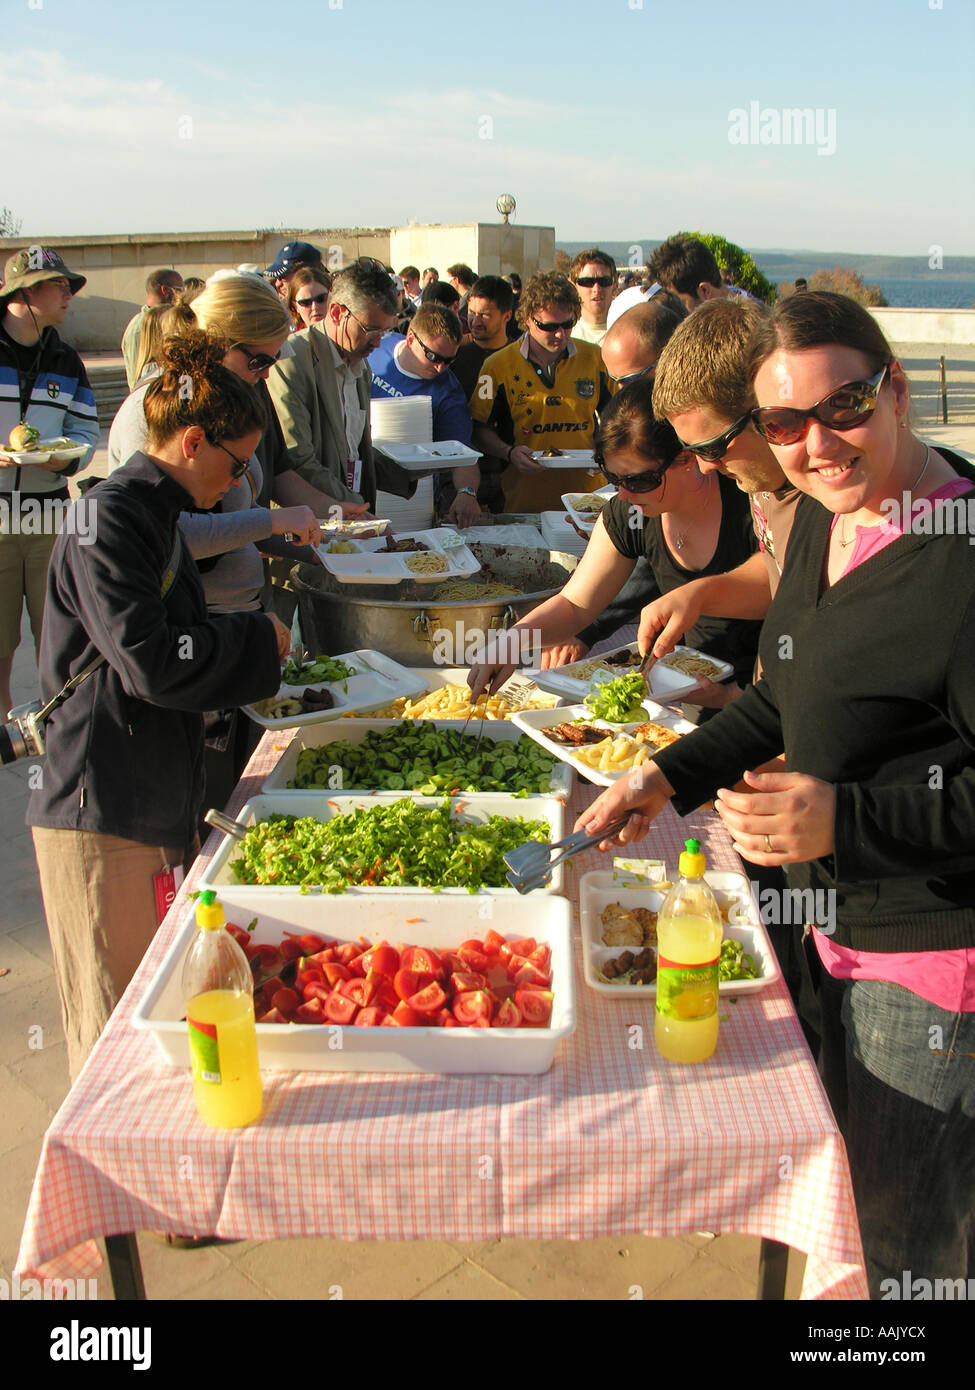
[(406, 623)]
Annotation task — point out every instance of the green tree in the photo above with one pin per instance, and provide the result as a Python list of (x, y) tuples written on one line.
[(845, 280), (743, 270), (9, 224)]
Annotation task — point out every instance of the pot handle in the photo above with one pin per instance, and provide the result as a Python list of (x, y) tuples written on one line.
[(422, 620), (508, 617)]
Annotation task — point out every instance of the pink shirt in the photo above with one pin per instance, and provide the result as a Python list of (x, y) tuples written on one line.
[(944, 978)]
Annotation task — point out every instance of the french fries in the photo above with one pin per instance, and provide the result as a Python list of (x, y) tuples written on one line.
[(622, 752), (454, 702)]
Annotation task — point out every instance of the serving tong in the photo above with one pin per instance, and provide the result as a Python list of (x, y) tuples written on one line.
[(530, 865)]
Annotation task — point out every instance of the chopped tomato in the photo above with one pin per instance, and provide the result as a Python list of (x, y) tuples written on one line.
[(287, 1000), (273, 1016), (508, 1015), (474, 959), (340, 1009), (531, 975), (335, 973), (239, 934), (316, 990), (493, 943), (371, 1017), (525, 946), (311, 1012), (408, 982), (428, 1000), (535, 1004), (361, 992), (477, 1004), (348, 953), (407, 1017), (541, 957), (462, 981), (384, 959), (423, 961)]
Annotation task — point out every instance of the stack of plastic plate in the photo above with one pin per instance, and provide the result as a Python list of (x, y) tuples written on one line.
[(559, 534), (405, 420)]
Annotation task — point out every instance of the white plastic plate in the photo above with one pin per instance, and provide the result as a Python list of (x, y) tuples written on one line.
[(425, 458), (534, 722), (376, 683), (568, 458), (376, 568), (733, 892), (585, 520), (666, 682)]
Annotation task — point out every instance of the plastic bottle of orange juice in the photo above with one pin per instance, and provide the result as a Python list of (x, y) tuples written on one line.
[(219, 990), (688, 950)]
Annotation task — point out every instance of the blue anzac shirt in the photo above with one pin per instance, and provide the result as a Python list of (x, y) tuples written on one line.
[(451, 417)]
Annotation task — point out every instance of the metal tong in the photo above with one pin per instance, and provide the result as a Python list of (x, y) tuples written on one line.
[(530, 865)]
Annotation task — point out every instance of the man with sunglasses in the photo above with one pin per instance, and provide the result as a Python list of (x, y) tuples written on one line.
[(701, 387), (321, 390), (541, 394), (593, 273), (418, 364)]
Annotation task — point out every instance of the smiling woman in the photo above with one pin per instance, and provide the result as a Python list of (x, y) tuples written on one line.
[(122, 786)]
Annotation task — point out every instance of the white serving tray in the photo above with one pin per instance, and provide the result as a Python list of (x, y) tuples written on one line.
[(586, 521), (569, 458), (425, 458), (380, 682), (323, 805), (534, 722), (365, 566), (434, 677), (439, 922), (666, 683), (597, 890), (350, 530), (355, 730)]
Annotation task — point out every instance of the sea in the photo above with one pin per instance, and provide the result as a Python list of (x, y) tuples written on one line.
[(926, 292)]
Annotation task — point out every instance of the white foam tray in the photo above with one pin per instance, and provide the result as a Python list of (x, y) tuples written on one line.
[(666, 683), (534, 722), (324, 805), (439, 922), (366, 566), (438, 455), (381, 681)]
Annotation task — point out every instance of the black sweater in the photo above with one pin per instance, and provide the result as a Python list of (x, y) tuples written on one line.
[(125, 750), (868, 685)]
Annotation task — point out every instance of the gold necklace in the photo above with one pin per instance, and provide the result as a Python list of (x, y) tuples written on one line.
[(681, 539), (924, 467)]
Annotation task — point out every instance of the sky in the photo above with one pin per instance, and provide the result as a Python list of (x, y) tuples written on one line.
[(622, 120)]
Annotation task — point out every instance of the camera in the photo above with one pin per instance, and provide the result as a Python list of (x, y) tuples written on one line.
[(23, 735)]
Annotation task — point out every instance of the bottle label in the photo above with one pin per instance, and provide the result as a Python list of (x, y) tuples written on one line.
[(204, 1051), (687, 993)]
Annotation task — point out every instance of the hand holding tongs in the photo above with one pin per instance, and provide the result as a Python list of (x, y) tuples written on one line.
[(530, 865)]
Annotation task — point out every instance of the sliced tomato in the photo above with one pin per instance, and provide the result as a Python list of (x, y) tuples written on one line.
[(348, 953), (463, 981), (336, 973), (371, 1017), (315, 989), (493, 943), (452, 962), (541, 957), (240, 935), (473, 944), (445, 1019), (535, 1004), (428, 1000), (386, 995), (530, 975), (474, 1005), (273, 1016), (384, 959), (474, 959), (408, 982), (423, 961), (407, 1017), (514, 963), (340, 1009), (508, 1015), (311, 1012), (361, 992), (287, 1000), (524, 946)]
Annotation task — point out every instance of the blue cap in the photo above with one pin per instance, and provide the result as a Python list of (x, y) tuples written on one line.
[(291, 256)]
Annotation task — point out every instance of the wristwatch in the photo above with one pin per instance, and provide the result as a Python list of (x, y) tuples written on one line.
[(469, 490)]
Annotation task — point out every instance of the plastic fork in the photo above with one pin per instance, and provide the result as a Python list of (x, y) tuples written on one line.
[(530, 865)]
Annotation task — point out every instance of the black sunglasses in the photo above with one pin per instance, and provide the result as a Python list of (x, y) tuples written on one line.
[(315, 299), (647, 481), (630, 377), (554, 327), (435, 357), (842, 409), (258, 361), (711, 450), (240, 465), (587, 281)]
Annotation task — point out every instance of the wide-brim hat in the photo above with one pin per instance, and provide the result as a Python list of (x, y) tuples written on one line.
[(32, 265)]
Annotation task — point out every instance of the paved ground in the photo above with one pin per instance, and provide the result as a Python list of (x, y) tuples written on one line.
[(33, 1082)]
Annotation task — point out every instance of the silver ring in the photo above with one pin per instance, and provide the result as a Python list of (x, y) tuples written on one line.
[(768, 846)]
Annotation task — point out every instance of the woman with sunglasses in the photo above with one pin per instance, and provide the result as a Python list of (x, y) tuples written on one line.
[(684, 524), (307, 297), (869, 684), (122, 788)]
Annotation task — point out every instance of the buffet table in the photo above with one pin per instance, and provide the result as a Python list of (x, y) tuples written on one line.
[(611, 1141)]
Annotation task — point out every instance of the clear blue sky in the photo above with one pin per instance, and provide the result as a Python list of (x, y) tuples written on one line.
[(607, 121)]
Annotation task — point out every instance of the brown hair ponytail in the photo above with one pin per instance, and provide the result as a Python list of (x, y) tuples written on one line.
[(195, 388)]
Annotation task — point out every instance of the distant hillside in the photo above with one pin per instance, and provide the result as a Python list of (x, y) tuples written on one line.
[(786, 265)]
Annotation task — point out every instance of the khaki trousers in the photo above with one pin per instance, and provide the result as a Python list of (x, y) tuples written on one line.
[(101, 916)]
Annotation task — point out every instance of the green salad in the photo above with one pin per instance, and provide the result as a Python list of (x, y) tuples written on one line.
[(415, 756), (324, 668), (618, 701), (401, 844), (734, 962)]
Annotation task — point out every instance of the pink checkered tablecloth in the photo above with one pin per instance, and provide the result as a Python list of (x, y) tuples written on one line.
[(610, 1141)]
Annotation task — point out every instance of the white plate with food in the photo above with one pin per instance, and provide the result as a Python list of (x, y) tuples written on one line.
[(58, 450), (427, 458), (584, 508), (349, 530), (554, 457), (619, 935), (599, 751), (671, 678), (424, 556), (447, 698), (328, 687)]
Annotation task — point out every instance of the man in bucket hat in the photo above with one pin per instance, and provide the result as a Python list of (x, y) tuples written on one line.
[(44, 386)]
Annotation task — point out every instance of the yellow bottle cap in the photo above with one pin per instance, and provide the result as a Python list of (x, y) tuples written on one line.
[(692, 862), (209, 913)]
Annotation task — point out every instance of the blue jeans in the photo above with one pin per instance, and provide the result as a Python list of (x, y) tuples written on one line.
[(900, 1075)]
